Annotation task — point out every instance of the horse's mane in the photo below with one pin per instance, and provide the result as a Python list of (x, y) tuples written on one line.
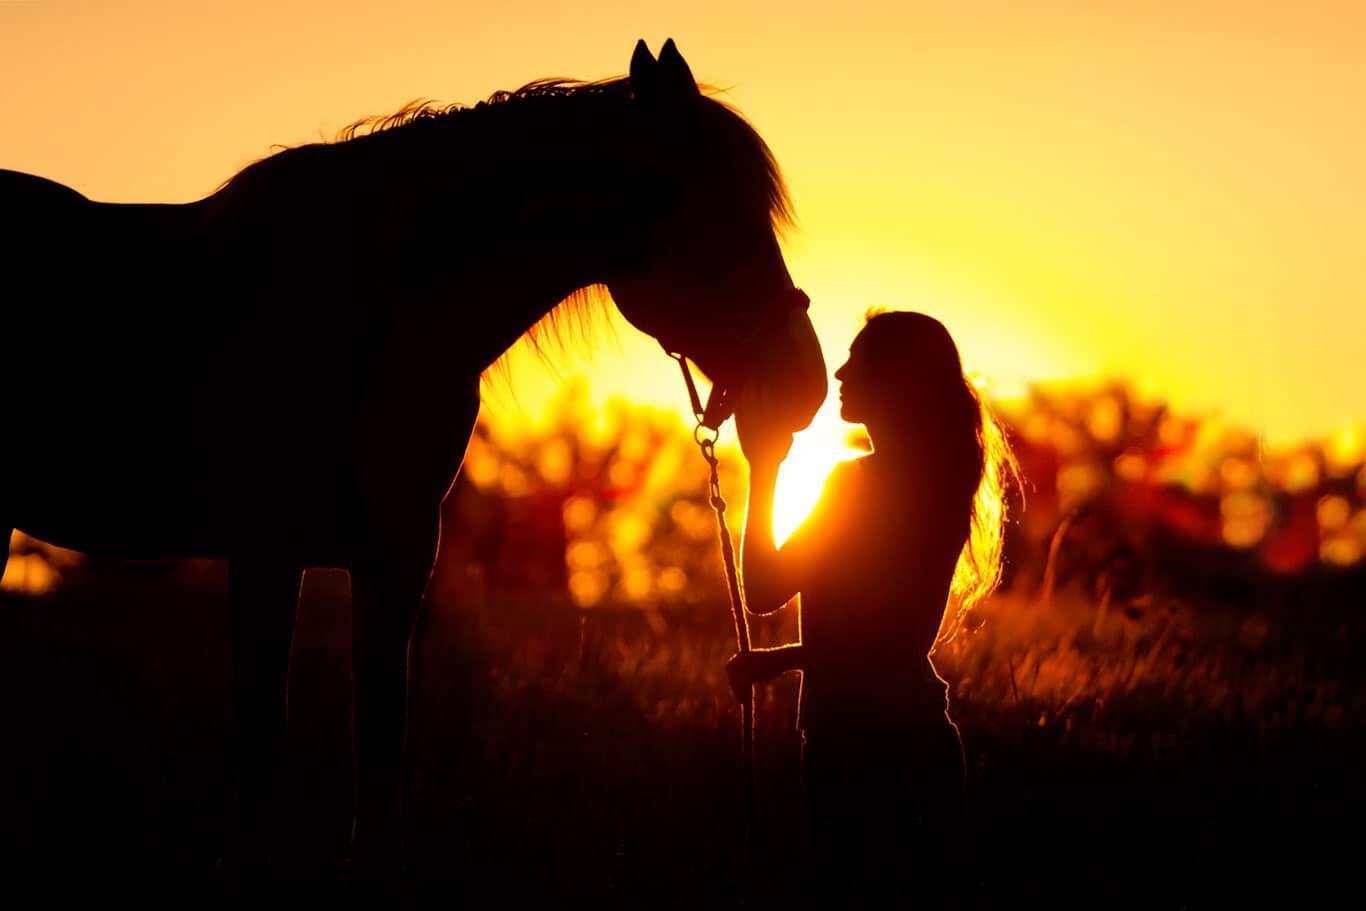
[(419, 113), (431, 112), (573, 316)]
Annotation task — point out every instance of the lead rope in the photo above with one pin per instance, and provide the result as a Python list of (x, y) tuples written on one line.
[(707, 444)]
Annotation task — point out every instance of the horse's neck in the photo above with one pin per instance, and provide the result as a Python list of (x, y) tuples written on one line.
[(518, 216)]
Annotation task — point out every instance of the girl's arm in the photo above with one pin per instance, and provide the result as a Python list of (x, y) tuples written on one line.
[(770, 575), (769, 584)]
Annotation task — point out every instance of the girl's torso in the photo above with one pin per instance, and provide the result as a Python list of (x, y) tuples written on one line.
[(882, 551)]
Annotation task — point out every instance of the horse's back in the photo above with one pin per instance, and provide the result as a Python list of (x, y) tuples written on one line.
[(42, 223), (165, 383), (44, 263), (179, 378), (94, 359), (25, 198)]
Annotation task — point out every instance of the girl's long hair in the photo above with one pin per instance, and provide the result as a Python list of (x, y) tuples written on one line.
[(978, 571), (971, 449)]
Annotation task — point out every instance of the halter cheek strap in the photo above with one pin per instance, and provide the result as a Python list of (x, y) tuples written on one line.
[(718, 407)]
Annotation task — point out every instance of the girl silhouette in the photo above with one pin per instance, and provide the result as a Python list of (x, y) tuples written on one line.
[(896, 538)]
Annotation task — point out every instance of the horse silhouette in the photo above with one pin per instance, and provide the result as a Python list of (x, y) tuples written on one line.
[(285, 373)]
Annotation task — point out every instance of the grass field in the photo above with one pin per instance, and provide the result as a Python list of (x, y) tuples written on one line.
[(1161, 761)]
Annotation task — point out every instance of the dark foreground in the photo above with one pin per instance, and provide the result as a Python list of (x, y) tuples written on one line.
[(558, 755)]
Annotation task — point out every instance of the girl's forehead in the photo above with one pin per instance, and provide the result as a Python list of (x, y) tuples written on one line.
[(860, 346)]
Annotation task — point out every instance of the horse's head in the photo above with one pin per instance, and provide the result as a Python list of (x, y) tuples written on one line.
[(706, 277)]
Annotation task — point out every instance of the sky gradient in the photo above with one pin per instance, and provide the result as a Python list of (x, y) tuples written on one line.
[(1172, 194)]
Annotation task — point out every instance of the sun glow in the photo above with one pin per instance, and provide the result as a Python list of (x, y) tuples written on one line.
[(815, 452)]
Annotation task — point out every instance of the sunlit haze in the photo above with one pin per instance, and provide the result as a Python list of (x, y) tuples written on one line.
[(1167, 192)]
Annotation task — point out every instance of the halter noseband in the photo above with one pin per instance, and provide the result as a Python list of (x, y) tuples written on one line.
[(718, 407)]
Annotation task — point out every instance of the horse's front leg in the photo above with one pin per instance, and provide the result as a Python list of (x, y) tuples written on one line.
[(262, 594), (387, 584)]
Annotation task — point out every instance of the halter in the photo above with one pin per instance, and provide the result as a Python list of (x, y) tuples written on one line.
[(705, 433), (718, 407)]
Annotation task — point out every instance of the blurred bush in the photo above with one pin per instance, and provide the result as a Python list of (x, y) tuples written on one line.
[(606, 508), (1122, 497)]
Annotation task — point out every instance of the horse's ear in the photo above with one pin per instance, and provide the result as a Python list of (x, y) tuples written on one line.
[(644, 71), (674, 70)]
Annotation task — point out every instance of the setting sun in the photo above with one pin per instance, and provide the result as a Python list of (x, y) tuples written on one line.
[(815, 451)]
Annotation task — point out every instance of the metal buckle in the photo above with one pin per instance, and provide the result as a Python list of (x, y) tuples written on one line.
[(718, 407)]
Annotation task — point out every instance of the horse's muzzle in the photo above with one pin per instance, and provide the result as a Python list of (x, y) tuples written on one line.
[(790, 372), (784, 368)]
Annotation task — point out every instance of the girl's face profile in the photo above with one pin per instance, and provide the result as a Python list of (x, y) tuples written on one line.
[(857, 386)]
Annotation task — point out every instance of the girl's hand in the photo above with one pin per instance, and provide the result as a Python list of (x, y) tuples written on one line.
[(742, 671), (761, 440)]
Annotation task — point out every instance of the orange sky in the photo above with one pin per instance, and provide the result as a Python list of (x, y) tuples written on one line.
[(1174, 193)]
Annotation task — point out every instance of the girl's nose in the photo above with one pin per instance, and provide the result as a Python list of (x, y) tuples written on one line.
[(839, 374)]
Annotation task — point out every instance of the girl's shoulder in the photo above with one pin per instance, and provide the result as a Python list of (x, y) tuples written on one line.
[(854, 491), (838, 505), (849, 473), (846, 482)]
